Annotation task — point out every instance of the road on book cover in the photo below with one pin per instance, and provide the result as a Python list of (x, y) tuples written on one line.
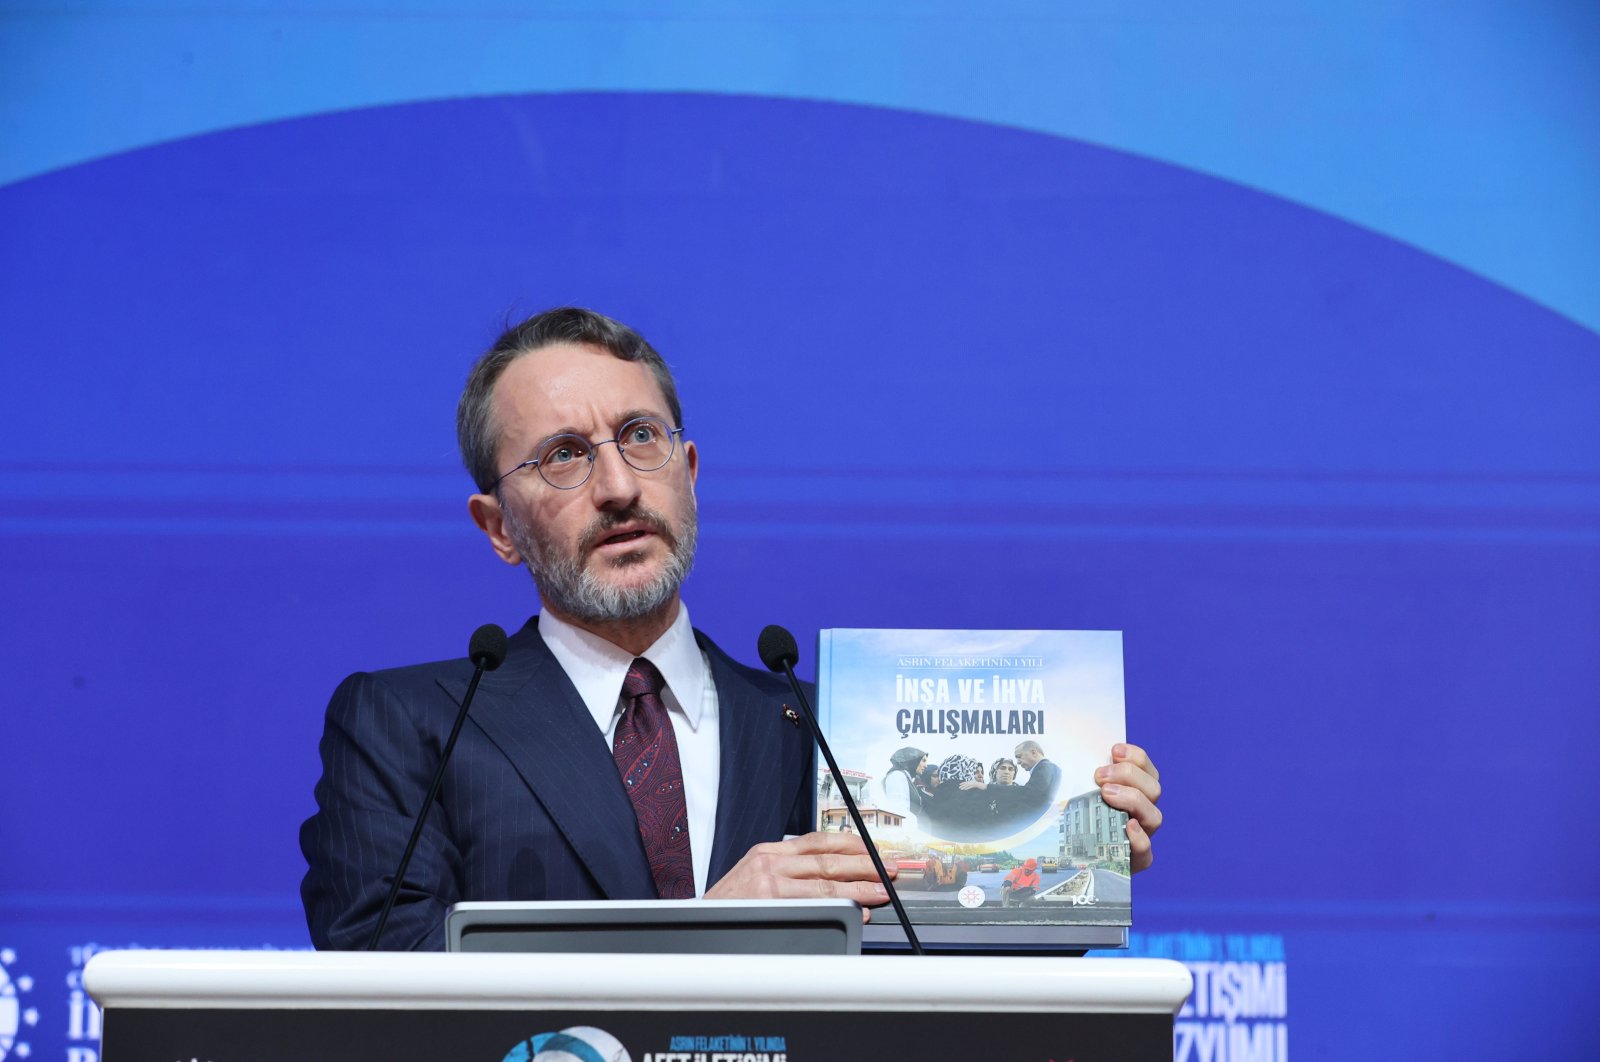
[(1111, 887)]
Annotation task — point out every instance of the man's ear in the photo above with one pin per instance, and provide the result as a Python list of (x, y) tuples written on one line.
[(491, 520), (691, 455)]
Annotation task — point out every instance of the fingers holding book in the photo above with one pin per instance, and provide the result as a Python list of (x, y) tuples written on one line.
[(1131, 783)]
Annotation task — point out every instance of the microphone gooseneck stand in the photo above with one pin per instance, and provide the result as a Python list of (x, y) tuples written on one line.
[(779, 653), (487, 650)]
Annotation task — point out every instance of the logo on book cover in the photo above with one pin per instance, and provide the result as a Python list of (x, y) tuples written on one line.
[(15, 1016), (581, 1043)]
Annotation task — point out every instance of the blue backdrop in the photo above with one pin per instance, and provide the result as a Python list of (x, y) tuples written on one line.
[(1268, 341)]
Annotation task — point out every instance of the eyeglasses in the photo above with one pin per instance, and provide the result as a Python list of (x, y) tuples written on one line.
[(565, 461)]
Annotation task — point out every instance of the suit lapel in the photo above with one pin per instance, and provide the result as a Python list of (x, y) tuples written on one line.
[(532, 713), (749, 792)]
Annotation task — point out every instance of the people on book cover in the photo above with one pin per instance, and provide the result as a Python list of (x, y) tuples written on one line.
[(957, 803), (902, 794), (1021, 804), (951, 812), (1021, 884), (928, 783)]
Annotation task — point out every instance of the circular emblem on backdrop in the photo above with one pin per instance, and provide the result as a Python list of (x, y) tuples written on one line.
[(15, 1016), (581, 1043), (971, 896)]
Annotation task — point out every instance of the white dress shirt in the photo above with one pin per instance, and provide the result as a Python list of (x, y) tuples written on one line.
[(597, 668)]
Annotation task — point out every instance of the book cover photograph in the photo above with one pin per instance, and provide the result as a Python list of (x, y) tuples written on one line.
[(972, 755)]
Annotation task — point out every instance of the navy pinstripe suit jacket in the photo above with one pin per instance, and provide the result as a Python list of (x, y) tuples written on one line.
[(532, 807)]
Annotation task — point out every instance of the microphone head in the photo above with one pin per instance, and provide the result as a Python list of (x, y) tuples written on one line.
[(488, 646), (776, 648)]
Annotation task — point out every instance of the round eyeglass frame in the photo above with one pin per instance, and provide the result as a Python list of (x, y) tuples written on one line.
[(593, 448)]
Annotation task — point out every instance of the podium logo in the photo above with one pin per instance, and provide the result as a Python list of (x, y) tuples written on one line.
[(15, 1016), (581, 1043)]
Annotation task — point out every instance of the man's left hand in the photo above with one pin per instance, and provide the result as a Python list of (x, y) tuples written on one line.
[(1131, 783), (814, 866)]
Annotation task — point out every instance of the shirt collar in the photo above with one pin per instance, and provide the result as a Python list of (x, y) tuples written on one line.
[(597, 667)]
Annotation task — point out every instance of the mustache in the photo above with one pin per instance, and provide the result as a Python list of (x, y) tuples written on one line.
[(607, 523)]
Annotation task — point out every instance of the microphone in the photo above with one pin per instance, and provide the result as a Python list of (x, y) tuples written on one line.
[(487, 651), (777, 649), (488, 646), (779, 653)]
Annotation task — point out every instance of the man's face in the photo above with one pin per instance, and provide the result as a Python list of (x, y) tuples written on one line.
[(617, 547), (1028, 758)]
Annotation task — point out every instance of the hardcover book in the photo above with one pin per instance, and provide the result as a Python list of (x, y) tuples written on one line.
[(972, 755)]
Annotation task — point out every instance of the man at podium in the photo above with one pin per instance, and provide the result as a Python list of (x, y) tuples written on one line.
[(617, 753)]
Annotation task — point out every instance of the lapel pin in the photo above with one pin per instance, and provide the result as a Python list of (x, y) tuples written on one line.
[(791, 715)]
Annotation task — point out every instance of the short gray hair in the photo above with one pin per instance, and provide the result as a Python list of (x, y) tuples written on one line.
[(476, 431)]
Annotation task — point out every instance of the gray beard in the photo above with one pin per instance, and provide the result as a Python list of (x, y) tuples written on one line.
[(571, 588)]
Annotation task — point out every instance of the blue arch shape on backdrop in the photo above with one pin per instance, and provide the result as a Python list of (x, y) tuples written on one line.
[(1341, 494), (326, 239), (1472, 135)]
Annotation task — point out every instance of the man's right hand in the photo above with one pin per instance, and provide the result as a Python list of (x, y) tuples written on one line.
[(815, 866)]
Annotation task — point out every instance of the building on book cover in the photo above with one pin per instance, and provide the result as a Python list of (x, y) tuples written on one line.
[(972, 757)]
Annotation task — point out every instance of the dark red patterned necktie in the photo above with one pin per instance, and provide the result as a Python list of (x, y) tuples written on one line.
[(647, 757)]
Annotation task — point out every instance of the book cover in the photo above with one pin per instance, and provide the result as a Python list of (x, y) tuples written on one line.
[(972, 757)]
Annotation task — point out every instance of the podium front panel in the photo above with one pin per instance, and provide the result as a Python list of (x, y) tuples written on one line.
[(350, 1007)]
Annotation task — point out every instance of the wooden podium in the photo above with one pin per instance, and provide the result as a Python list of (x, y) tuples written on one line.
[(227, 1006)]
